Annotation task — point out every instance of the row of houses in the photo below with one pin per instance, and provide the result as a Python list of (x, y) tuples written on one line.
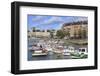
[(75, 28)]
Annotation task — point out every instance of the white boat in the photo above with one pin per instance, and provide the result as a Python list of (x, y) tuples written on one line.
[(66, 52), (39, 54), (71, 49), (58, 49), (83, 50), (48, 49), (58, 52), (38, 51)]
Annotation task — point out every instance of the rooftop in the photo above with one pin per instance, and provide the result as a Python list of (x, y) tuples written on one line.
[(75, 23)]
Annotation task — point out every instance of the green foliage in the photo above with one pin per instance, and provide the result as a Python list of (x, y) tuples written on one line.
[(51, 34), (60, 34), (28, 30), (33, 29), (66, 33)]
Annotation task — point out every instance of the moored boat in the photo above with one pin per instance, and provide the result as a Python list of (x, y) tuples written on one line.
[(83, 50), (66, 52), (39, 52)]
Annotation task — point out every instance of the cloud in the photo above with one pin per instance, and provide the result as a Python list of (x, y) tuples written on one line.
[(52, 20), (37, 18), (48, 20), (81, 19)]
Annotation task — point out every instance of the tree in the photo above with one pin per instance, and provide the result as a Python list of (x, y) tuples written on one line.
[(37, 30), (48, 30), (51, 34), (33, 29), (28, 31), (53, 30), (67, 33), (60, 34)]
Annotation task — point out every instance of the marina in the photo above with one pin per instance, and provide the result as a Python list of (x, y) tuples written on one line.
[(64, 37), (44, 49)]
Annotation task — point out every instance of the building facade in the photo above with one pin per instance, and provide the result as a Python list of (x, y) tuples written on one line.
[(76, 29), (44, 33)]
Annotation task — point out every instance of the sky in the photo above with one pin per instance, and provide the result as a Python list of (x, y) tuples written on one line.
[(47, 22)]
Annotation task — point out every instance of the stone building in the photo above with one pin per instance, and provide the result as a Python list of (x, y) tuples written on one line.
[(75, 27), (38, 33)]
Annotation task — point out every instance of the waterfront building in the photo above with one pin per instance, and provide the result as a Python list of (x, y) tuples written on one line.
[(75, 28), (42, 33)]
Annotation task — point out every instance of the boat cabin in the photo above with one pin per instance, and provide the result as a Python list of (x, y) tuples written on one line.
[(83, 50), (71, 49)]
